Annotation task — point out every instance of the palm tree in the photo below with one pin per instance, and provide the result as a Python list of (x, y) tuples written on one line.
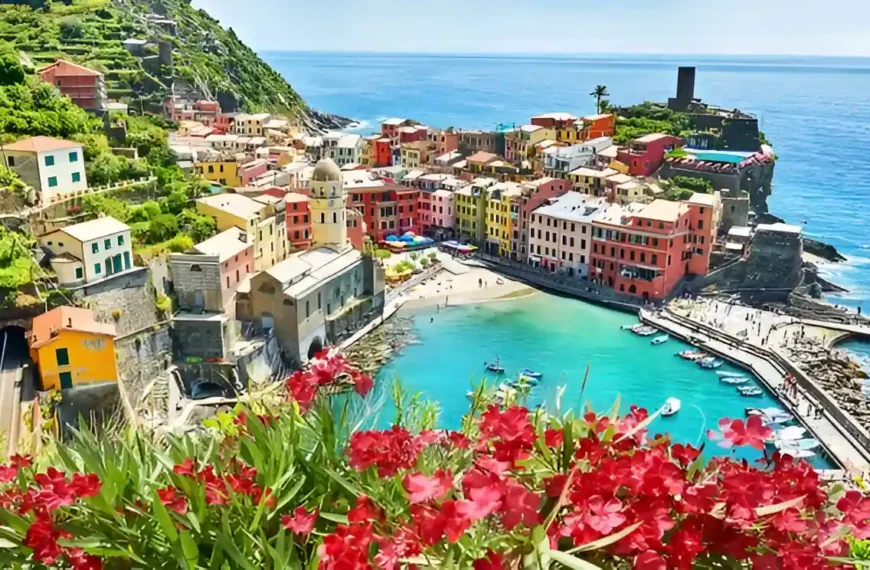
[(599, 93)]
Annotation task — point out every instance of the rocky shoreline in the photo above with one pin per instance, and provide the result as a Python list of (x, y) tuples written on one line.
[(381, 345)]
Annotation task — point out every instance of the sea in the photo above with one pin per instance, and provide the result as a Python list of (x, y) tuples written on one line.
[(814, 110)]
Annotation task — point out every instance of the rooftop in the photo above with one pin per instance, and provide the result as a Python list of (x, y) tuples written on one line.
[(394, 121), (663, 211), (779, 228), (703, 199), (593, 173), (620, 179), (95, 229), (481, 157), (64, 68), (290, 197), (234, 204), (573, 206), (556, 116), (597, 117), (69, 318), (530, 128), (225, 244), (740, 231), (40, 144), (349, 141), (652, 137)]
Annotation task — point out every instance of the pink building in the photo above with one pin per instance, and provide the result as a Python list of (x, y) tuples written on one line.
[(646, 154), (356, 229), (236, 258), (442, 211), (86, 87), (250, 170), (534, 194)]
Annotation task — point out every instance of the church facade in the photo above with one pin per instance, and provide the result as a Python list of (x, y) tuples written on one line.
[(320, 296)]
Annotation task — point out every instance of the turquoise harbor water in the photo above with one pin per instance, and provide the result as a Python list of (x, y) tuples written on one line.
[(559, 337)]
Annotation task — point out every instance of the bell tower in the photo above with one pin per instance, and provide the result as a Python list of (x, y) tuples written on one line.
[(328, 205)]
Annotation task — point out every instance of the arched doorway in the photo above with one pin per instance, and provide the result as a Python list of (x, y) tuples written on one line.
[(315, 347), (632, 289)]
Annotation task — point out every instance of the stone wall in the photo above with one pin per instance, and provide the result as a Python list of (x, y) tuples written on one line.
[(129, 296), (774, 262), (95, 405), (196, 280), (757, 180), (201, 338), (141, 357)]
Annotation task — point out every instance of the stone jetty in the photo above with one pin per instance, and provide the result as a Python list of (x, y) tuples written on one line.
[(379, 346)]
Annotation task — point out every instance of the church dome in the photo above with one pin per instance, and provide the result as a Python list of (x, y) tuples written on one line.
[(326, 171)]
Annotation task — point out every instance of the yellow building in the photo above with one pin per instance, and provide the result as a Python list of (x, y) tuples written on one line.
[(415, 154), (499, 223), (590, 180), (72, 349), (471, 209), (262, 219), (225, 171)]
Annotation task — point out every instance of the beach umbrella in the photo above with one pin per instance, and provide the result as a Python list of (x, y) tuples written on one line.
[(392, 238), (406, 238), (410, 233)]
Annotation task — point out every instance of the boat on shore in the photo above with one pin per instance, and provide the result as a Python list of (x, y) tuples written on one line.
[(750, 391), (733, 380), (671, 407), (692, 355), (710, 363), (659, 339)]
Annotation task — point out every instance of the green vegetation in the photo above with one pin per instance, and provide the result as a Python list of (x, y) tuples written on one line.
[(91, 32), (682, 187), (16, 264), (381, 253), (647, 118), (599, 93)]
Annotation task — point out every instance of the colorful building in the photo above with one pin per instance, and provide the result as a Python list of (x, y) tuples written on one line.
[(562, 124), (250, 125), (520, 143), (477, 162), (298, 220), (443, 220), (499, 218), (560, 234), (646, 250), (89, 251), (443, 141), (596, 126), (85, 87), (415, 154), (224, 171), (53, 167), (591, 180), (235, 257), (471, 142), (470, 211), (70, 349), (534, 193), (646, 154), (559, 161)]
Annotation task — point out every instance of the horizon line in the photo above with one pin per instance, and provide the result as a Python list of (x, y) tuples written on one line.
[(564, 54)]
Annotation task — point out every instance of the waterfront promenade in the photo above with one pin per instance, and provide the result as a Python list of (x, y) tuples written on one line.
[(843, 439)]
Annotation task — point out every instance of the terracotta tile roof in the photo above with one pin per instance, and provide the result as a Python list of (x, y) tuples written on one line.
[(482, 157), (64, 68), (46, 325), (40, 144)]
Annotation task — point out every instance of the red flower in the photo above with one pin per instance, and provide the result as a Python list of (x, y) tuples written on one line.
[(362, 383), (432, 525), (649, 561), (8, 473), (684, 454), (171, 499), (215, 494), (520, 506), (855, 506), (389, 451), (301, 523), (484, 501), (21, 461), (364, 511), (346, 549), (604, 517), (185, 468), (86, 485), (42, 538), (302, 389), (55, 491), (459, 440), (554, 437), (491, 561), (422, 488), (325, 370), (733, 432), (81, 561), (402, 544)]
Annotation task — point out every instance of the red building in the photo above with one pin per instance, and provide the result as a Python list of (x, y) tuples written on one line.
[(298, 218), (382, 153), (356, 228), (224, 122), (645, 250), (390, 128), (444, 141), (645, 155), (534, 194), (412, 133), (601, 125), (386, 207), (86, 87)]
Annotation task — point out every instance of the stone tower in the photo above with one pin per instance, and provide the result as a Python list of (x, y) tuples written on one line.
[(328, 222)]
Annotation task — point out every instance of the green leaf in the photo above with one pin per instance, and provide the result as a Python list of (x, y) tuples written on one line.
[(571, 561), (190, 549), (162, 516), (288, 497), (227, 545), (606, 540), (340, 519), (351, 488), (4, 543), (642, 425), (614, 410)]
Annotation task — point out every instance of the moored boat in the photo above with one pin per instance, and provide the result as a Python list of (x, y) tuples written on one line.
[(791, 433), (659, 339), (724, 374), (692, 355), (797, 453), (750, 391), (644, 330), (807, 444), (671, 407), (733, 380), (494, 366), (528, 372), (710, 363)]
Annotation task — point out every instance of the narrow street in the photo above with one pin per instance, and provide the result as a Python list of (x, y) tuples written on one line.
[(14, 356)]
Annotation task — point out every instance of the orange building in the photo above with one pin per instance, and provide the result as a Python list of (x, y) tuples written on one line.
[(86, 87), (595, 126), (646, 250), (298, 220)]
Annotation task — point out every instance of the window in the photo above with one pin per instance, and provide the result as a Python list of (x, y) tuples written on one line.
[(571, 241), (95, 247), (74, 157), (107, 244), (52, 181), (76, 177), (631, 255), (126, 260), (701, 224), (642, 257), (654, 259), (307, 309), (62, 356), (193, 268), (323, 217), (66, 380), (98, 269), (49, 161), (305, 219), (120, 240), (10, 161), (78, 272)]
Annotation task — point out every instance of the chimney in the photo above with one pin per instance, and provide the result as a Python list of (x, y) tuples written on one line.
[(69, 322)]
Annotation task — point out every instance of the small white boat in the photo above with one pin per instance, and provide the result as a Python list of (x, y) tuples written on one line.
[(723, 374), (628, 327), (797, 453), (660, 339), (671, 407), (710, 363), (776, 420), (791, 433), (644, 331), (750, 391), (803, 444), (733, 380), (692, 355)]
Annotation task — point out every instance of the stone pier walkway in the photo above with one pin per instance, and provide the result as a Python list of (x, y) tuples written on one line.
[(838, 444)]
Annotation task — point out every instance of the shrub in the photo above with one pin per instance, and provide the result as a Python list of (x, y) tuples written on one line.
[(163, 303), (290, 484), (382, 253), (162, 228), (180, 243)]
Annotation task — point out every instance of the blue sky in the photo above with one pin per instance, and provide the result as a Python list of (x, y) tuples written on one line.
[(805, 27)]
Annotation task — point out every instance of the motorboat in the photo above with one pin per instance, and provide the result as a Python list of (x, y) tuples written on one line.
[(768, 421), (692, 355), (494, 367), (523, 381), (803, 444), (723, 374), (791, 433), (644, 331), (733, 380), (529, 373), (629, 327), (671, 407), (750, 391), (659, 339), (797, 453), (710, 363)]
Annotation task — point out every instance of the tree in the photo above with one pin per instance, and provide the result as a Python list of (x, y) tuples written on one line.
[(162, 228), (96, 204), (174, 203), (11, 72), (106, 168), (201, 228), (599, 93)]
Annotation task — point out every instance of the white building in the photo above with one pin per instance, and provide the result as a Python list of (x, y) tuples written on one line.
[(348, 150), (560, 233), (53, 167), (559, 161), (90, 251)]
